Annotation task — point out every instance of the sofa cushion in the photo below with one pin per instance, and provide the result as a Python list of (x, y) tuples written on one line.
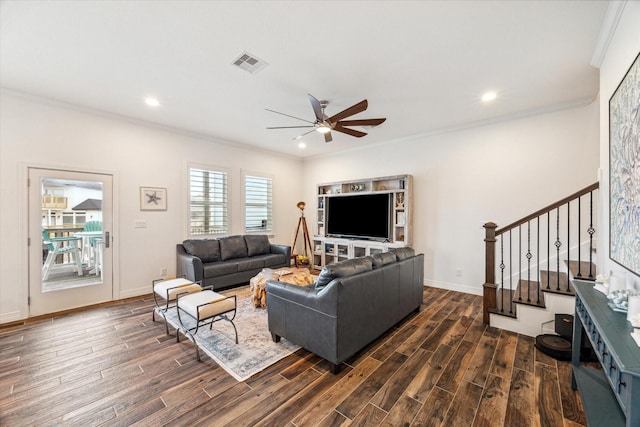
[(383, 258), (246, 264), (232, 247), (271, 260), (257, 245), (403, 253), (208, 250), (343, 269), (215, 269)]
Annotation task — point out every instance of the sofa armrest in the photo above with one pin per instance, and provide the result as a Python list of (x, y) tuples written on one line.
[(281, 249), (188, 265), (323, 301)]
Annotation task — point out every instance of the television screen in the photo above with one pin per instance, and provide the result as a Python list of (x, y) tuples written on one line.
[(364, 216)]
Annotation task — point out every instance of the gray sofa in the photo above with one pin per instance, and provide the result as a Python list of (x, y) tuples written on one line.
[(351, 304), (229, 261)]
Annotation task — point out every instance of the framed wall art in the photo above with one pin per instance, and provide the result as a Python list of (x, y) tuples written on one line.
[(153, 199), (624, 171)]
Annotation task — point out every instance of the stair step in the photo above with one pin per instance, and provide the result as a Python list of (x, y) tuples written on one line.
[(504, 301), (527, 293), (549, 280), (583, 270)]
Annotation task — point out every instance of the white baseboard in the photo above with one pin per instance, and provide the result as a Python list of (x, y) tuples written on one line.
[(12, 316), (474, 290), (136, 292)]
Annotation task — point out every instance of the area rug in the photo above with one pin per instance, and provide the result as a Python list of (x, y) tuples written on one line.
[(255, 350)]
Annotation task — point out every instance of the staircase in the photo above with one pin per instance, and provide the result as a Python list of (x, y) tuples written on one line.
[(531, 263)]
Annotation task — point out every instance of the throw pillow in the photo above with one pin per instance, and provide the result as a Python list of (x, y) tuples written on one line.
[(257, 245), (232, 247), (343, 269), (208, 250), (403, 253), (383, 258)]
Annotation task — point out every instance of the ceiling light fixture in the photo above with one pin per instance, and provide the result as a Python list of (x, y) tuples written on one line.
[(301, 144), (322, 128), (152, 102), (489, 96)]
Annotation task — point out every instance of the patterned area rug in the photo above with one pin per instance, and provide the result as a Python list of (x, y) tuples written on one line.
[(255, 350)]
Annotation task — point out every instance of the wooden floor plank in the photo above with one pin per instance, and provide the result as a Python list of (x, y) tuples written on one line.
[(547, 395), (520, 406)]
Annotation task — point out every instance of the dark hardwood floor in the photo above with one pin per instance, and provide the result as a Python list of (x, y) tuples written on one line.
[(110, 365)]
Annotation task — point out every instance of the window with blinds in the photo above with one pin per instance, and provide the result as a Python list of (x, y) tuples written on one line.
[(257, 203), (208, 202)]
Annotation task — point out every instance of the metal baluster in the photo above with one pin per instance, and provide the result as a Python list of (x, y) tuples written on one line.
[(579, 241), (569, 237), (519, 262), (548, 250), (529, 261), (538, 255), (591, 230), (502, 274), (558, 244), (510, 272)]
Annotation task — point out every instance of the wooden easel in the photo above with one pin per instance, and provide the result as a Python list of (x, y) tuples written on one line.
[(302, 222)]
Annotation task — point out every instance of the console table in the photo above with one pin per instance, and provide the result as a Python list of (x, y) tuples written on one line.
[(611, 396)]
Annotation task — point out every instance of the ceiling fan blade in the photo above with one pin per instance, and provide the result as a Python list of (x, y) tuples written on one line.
[(354, 109), (317, 108), (362, 122), (348, 131), (328, 137), (306, 133), (288, 127), (293, 117)]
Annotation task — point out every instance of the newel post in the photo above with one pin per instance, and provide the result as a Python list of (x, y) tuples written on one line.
[(489, 287)]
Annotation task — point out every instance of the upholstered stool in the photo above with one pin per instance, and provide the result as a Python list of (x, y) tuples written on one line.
[(167, 289), (205, 307)]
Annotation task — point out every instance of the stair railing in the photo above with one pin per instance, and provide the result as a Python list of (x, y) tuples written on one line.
[(557, 221)]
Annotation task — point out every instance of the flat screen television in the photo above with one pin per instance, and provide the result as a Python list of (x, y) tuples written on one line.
[(363, 216)]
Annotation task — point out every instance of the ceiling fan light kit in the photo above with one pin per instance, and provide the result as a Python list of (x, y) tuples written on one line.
[(324, 124)]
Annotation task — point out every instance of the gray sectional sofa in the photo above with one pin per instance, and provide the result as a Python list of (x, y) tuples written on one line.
[(229, 261), (351, 304)]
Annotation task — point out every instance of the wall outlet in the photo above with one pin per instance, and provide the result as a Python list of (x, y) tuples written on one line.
[(163, 271), (458, 272)]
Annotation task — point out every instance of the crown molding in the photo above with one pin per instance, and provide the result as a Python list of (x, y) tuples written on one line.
[(607, 31)]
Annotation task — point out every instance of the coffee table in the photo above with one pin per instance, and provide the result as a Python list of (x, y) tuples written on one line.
[(258, 284)]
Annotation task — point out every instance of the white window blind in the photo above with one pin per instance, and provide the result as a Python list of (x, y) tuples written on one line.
[(257, 203), (208, 203)]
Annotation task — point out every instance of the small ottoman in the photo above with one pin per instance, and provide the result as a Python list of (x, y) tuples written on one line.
[(166, 289), (205, 307)]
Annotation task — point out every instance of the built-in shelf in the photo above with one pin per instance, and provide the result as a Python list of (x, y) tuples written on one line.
[(330, 249)]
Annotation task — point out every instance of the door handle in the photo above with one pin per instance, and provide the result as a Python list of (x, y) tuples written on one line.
[(106, 239)]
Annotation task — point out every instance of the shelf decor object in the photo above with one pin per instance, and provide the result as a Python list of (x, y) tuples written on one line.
[(153, 199), (624, 170)]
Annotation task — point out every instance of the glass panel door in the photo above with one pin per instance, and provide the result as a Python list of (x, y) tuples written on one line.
[(69, 224)]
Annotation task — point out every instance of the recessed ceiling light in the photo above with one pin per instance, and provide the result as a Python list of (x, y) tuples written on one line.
[(151, 101), (302, 144), (489, 96)]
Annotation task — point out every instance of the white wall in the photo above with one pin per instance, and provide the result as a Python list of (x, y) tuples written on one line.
[(463, 179), (624, 47), (51, 135)]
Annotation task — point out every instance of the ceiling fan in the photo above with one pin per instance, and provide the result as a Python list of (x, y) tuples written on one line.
[(325, 124)]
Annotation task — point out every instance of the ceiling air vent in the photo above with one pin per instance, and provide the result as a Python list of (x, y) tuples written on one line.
[(249, 62)]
